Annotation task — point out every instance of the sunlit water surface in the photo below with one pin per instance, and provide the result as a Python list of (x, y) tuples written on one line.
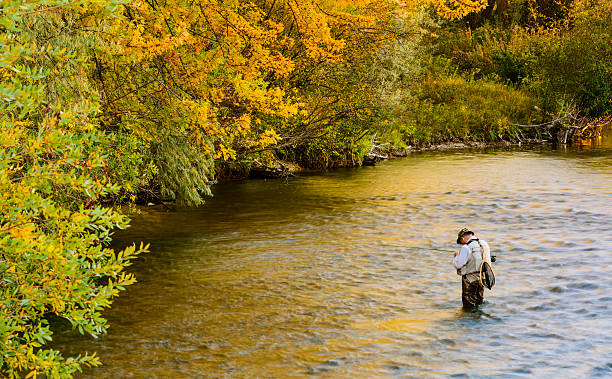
[(348, 274)]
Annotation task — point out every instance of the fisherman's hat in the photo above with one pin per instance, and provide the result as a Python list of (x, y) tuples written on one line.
[(463, 232)]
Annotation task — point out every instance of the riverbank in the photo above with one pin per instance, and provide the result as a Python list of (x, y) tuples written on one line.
[(282, 169)]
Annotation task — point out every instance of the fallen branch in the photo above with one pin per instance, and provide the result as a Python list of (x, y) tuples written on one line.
[(573, 127)]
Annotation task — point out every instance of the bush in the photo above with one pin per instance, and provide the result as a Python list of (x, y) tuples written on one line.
[(566, 59), (454, 108), (341, 145), (55, 259), (505, 56), (574, 62)]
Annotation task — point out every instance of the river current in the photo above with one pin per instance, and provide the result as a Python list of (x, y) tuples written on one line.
[(347, 274)]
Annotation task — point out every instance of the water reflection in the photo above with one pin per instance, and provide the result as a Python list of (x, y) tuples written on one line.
[(347, 274)]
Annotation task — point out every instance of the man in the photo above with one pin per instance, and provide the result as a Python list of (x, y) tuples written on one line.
[(467, 262)]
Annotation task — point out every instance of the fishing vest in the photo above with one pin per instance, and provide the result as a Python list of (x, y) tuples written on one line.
[(474, 258)]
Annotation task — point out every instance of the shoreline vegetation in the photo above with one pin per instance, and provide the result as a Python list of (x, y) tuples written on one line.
[(280, 169), (569, 135), (106, 103), (283, 169)]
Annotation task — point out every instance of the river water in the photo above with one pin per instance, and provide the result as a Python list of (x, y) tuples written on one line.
[(347, 274)]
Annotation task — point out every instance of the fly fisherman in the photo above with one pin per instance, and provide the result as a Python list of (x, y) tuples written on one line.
[(467, 262)]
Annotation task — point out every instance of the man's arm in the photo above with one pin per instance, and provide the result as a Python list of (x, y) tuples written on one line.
[(461, 259)]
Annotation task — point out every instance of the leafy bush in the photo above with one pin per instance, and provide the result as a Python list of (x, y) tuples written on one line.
[(574, 61), (342, 145), (564, 59), (454, 108), (54, 235), (54, 245), (503, 55)]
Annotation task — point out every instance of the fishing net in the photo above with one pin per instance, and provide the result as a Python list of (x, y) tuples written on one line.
[(487, 278)]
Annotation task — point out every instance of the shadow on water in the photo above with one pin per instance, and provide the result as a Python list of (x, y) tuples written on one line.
[(348, 274)]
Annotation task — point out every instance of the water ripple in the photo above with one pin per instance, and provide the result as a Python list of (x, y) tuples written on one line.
[(348, 275)]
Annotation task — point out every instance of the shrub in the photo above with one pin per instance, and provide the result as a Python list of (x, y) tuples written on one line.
[(454, 108), (574, 61), (55, 258)]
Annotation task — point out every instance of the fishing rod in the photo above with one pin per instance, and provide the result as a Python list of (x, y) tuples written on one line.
[(493, 257), (443, 251)]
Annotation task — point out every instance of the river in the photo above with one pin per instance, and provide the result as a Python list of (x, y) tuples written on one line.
[(347, 274)]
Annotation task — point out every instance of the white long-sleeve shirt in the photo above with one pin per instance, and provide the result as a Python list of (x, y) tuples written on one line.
[(464, 254)]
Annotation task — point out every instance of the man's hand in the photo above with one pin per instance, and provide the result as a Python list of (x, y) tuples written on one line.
[(456, 253)]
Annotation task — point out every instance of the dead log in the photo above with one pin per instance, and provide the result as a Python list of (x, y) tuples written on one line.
[(375, 153), (371, 159), (278, 170), (569, 128)]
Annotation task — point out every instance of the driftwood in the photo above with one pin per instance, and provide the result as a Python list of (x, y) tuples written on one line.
[(374, 153), (594, 128), (278, 170), (569, 127), (371, 159)]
